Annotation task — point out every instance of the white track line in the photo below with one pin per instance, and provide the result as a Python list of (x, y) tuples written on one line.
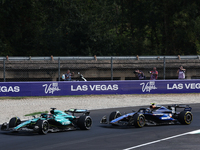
[(192, 132)]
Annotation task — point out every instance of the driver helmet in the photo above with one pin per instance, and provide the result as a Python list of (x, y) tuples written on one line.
[(153, 106)]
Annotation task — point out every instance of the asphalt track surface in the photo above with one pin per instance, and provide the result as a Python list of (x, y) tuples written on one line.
[(105, 137)]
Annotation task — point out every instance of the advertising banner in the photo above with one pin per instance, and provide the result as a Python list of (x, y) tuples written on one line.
[(61, 88)]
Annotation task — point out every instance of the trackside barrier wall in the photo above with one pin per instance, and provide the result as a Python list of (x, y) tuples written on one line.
[(62, 88)]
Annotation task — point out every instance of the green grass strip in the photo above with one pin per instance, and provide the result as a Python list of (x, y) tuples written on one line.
[(36, 113)]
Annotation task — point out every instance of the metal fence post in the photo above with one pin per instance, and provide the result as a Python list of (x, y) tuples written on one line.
[(59, 69), (111, 68), (164, 68), (4, 70)]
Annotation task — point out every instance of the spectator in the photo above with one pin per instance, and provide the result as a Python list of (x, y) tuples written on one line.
[(181, 73), (140, 75), (68, 75), (154, 74)]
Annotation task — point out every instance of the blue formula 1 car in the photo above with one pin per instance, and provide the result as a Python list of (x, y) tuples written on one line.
[(55, 121), (155, 115)]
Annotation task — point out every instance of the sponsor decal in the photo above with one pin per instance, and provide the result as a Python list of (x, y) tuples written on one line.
[(51, 88), (95, 87), (9, 89), (187, 109), (66, 123), (158, 114), (165, 118), (148, 86), (180, 86)]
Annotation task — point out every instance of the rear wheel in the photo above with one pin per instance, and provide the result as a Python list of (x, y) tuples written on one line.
[(139, 120), (185, 117), (84, 122), (43, 126), (114, 115), (14, 122)]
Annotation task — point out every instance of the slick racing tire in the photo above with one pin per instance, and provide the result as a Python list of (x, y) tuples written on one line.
[(14, 122), (185, 117), (114, 115), (139, 120), (84, 122), (43, 126), (4, 126)]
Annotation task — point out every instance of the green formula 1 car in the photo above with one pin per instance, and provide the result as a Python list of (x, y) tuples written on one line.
[(55, 121)]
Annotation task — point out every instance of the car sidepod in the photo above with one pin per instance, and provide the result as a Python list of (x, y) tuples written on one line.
[(59, 121), (159, 117)]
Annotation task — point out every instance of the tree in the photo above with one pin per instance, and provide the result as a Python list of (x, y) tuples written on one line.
[(96, 27)]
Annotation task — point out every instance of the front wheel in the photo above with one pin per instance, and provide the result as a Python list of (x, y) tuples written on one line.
[(185, 117), (139, 120), (114, 115), (14, 122), (84, 122), (43, 126)]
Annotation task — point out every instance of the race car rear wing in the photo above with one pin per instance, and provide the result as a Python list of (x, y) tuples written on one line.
[(73, 111), (175, 106)]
